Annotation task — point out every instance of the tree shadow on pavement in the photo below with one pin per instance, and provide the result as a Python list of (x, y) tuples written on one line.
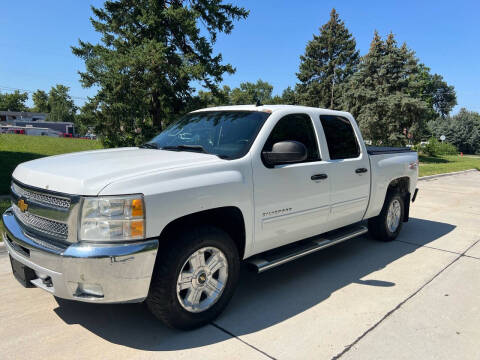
[(262, 300)]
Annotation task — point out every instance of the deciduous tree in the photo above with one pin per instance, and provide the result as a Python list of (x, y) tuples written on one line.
[(288, 97), (40, 101), (440, 97), (250, 93), (61, 105), (462, 130), (13, 101)]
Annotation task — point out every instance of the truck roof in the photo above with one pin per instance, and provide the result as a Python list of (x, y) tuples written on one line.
[(272, 108)]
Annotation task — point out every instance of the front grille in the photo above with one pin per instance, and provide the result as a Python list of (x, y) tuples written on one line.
[(45, 226), (42, 198)]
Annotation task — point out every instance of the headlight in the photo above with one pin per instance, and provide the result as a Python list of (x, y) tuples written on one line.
[(112, 218)]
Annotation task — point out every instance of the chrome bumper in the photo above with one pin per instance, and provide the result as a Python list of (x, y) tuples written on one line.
[(100, 273)]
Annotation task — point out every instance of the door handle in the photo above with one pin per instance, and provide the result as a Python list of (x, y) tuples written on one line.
[(361, 170), (319, 177)]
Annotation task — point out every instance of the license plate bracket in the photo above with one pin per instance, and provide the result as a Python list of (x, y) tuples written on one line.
[(22, 273)]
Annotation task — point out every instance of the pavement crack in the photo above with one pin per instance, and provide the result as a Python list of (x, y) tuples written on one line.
[(429, 247), (370, 329), (236, 337), (435, 248), (472, 257)]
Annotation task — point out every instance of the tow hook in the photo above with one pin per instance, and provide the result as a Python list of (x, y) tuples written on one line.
[(47, 281)]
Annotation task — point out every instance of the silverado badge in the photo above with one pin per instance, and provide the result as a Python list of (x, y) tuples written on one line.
[(22, 205)]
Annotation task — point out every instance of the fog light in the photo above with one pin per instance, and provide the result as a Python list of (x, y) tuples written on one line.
[(95, 290), (41, 275)]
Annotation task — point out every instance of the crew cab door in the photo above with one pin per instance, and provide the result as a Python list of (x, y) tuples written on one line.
[(292, 200), (349, 170)]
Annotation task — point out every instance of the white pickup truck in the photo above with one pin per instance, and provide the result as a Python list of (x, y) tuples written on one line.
[(169, 222)]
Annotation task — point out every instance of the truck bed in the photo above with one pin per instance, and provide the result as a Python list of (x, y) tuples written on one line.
[(380, 150)]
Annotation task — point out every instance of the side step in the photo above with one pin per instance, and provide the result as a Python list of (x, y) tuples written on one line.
[(284, 254)]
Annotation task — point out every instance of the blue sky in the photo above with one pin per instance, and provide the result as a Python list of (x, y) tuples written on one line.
[(36, 37)]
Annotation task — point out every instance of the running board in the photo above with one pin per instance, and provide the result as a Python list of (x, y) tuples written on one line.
[(284, 254)]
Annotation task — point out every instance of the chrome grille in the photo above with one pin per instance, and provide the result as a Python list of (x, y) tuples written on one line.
[(46, 199), (46, 226)]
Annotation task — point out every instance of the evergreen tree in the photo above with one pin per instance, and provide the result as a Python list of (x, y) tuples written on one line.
[(329, 60), (382, 94), (150, 53)]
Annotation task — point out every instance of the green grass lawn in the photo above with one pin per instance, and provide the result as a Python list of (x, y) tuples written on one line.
[(15, 149), (430, 165)]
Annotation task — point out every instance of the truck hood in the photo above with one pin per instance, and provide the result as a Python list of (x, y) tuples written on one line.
[(87, 173)]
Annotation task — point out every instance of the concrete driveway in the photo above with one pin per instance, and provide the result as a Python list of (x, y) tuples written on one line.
[(417, 297)]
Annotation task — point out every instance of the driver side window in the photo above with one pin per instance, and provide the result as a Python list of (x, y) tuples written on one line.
[(295, 127)]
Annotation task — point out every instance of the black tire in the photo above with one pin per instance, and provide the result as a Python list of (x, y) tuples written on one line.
[(162, 299), (378, 227)]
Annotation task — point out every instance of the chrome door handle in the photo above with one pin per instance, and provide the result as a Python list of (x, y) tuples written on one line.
[(319, 177), (361, 170)]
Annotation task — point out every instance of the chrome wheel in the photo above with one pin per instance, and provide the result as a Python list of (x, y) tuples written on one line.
[(393, 216), (202, 279)]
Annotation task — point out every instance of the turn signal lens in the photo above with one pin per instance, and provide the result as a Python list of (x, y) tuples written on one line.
[(136, 228), (137, 208)]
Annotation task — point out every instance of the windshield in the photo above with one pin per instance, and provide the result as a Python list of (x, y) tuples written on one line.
[(228, 134)]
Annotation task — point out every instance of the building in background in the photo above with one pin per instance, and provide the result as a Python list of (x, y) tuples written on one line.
[(14, 122), (28, 130), (7, 116), (65, 128)]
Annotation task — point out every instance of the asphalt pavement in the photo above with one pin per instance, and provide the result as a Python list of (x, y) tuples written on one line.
[(417, 297)]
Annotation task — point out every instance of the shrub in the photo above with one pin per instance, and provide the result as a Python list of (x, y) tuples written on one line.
[(435, 148), (461, 130)]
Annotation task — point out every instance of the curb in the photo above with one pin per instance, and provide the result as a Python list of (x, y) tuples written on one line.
[(445, 174), (4, 197)]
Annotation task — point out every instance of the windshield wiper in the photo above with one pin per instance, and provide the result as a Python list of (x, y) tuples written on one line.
[(199, 148), (149, 146)]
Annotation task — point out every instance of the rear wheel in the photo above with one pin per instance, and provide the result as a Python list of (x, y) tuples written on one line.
[(387, 225), (194, 277)]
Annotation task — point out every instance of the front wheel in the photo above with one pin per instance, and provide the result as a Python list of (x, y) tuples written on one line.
[(194, 278), (387, 225)]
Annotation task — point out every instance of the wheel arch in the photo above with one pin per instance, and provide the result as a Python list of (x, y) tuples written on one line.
[(228, 218), (401, 185)]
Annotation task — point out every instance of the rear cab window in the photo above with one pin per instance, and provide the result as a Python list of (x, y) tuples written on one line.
[(341, 140)]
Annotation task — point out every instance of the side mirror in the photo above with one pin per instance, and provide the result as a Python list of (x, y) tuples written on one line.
[(285, 152)]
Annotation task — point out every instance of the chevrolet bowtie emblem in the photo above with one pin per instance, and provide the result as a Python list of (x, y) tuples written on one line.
[(22, 205)]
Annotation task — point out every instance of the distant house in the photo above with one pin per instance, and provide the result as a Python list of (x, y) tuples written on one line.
[(9, 116)]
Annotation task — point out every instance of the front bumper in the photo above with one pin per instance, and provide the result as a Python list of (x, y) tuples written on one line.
[(100, 273)]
